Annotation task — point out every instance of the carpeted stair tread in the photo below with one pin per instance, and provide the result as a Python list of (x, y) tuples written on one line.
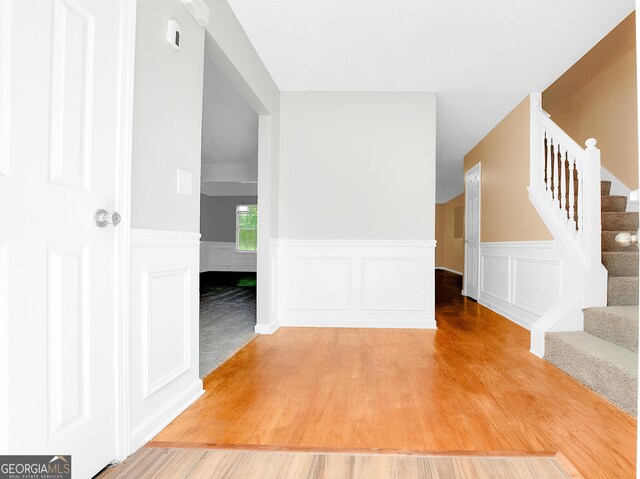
[(605, 188), (613, 203), (616, 324), (608, 369), (622, 291), (619, 221), (608, 241), (621, 263)]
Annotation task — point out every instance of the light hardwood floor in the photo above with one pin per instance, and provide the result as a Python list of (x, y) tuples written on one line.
[(472, 385), (160, 463)]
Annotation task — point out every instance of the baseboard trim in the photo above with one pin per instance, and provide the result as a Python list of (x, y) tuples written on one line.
[(444, 268), (268, 328), (155, 423), (510, 315)]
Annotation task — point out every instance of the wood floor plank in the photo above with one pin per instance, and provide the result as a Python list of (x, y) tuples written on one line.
[(417, 467), (375, 467), (472, 385), (532, 469), (156, 463), (293, 466)]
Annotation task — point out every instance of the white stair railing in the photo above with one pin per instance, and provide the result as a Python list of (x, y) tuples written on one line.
[(565, 181), (564, 187)]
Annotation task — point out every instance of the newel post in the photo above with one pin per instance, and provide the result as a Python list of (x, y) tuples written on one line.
[(591, 203)]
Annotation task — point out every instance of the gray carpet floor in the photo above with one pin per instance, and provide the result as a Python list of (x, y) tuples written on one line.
[(227, 317)]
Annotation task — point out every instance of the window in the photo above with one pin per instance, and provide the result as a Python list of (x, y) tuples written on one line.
[(246, 227)]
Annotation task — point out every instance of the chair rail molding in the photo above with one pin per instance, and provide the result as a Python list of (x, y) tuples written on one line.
[(163, 329), (354, 283), (564, 188)]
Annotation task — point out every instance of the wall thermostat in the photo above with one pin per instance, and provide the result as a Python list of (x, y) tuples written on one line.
[(173, 34)]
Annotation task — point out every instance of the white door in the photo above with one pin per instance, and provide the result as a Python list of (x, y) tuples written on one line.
[(59, 70), (472, 232)]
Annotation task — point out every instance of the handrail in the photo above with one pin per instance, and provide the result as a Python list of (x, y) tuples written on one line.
[(565, 186)]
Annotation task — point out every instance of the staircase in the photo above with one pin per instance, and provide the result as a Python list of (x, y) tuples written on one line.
[(604, 357)]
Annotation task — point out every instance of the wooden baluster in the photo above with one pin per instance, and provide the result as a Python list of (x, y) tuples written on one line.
[(553, 169), (546, 161), (559, 185), (579, 213), (571, 211), (564, 184)]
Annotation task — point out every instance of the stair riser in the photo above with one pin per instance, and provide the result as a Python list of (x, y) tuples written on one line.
[(622, 291), (605, 188), (617, 329), (621, 264), (619, 221), (616, 385), (609, 243), (615, 204)]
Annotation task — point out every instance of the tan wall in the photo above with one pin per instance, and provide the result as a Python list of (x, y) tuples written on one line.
[(596, 98), (506, 213), (450, 249)]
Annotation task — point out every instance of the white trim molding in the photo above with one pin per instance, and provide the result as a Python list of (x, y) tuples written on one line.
[(163, 330), (123, 232), (354, 284), (511, 276)]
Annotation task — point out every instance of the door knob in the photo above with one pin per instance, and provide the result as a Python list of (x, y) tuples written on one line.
[(103, 218)]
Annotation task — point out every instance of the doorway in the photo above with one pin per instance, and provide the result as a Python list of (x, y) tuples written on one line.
[(472, 232), (229, 211)]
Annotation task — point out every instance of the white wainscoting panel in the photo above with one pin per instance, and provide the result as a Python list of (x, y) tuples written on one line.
[(221, 256), (520, 280), (164, 342), (331, 279), (406, 293), (367, 284), (494, 269)]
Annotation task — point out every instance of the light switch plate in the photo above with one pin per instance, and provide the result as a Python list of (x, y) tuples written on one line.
[(185, 183)]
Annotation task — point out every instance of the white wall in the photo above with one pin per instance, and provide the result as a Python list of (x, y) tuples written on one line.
[(165, 252), (362, 284), (357, 211), (167, 118), (357, 165), (228, 46), (163, 323)]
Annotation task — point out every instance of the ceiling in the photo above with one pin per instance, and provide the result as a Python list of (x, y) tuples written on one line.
[(229, 138), (481, 58)]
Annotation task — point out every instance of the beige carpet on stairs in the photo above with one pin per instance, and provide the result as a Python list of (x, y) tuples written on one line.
[(604, 357)]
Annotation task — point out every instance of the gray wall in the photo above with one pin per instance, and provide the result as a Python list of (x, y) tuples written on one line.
[(167, 118), (357, 165), (229, 130), (218, 216)]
